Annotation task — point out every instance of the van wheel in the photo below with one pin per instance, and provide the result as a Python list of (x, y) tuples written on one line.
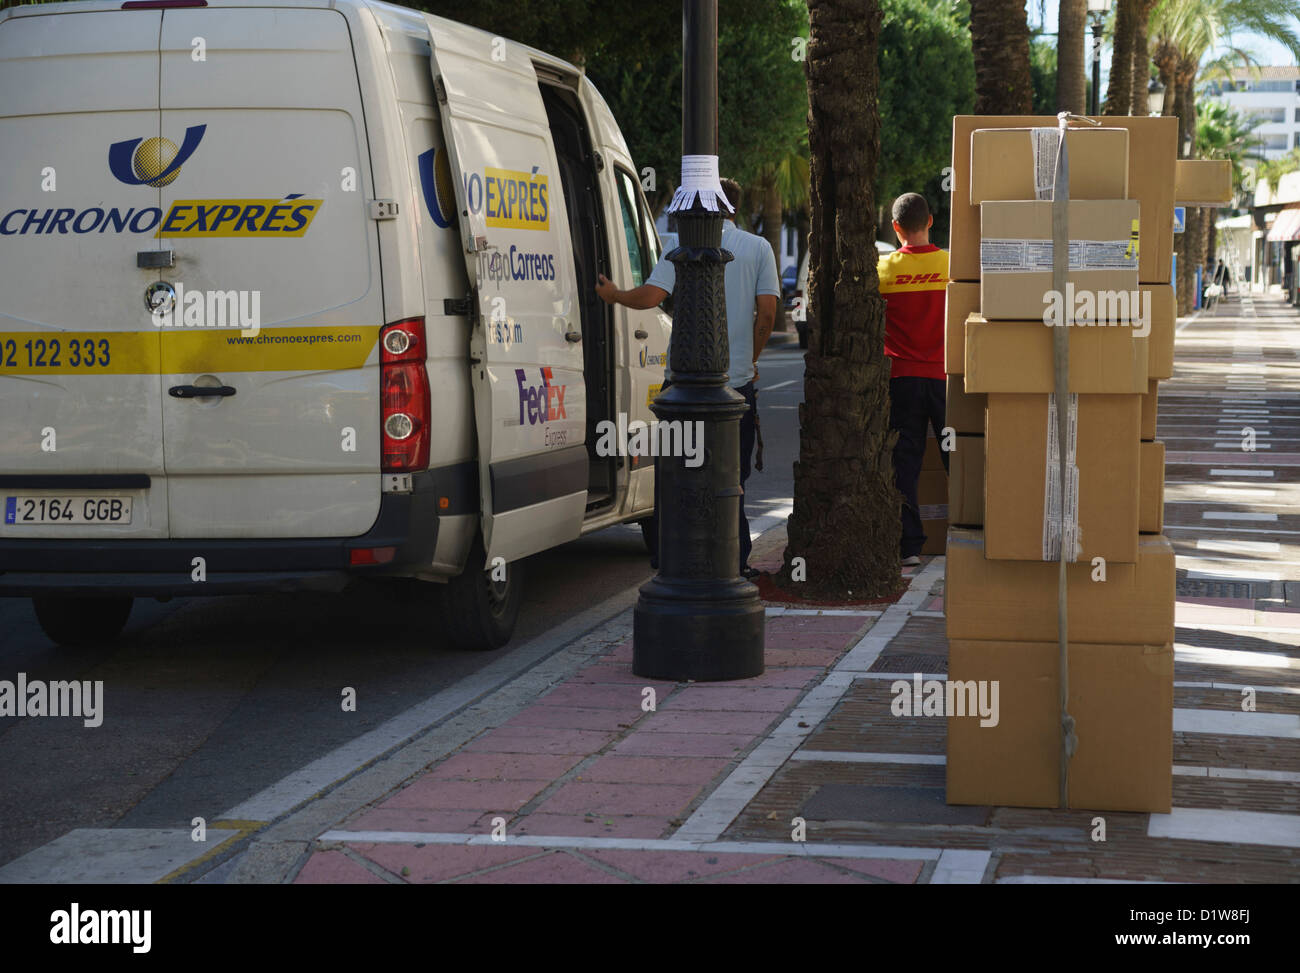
[(479, 613), (70, 620)]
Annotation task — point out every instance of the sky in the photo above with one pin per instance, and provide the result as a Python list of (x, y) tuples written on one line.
[(1266, 52)]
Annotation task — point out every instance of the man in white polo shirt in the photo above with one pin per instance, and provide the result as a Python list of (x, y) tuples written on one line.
[(753, 288)]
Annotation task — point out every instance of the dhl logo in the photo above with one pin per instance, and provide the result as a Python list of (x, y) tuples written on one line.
[(920, 278)]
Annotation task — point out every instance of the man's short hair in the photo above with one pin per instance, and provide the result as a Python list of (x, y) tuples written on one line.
[(731, 189), (912, 212)]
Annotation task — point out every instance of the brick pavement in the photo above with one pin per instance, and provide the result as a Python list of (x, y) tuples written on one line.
[(588, 784)]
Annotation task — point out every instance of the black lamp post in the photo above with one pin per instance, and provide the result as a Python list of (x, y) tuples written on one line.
[(697, 619), (1097, 10)]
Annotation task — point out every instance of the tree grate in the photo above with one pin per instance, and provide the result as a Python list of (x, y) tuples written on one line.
[(1194, 588)]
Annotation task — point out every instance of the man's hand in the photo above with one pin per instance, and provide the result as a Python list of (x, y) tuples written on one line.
[(606, 290), (755, 378)]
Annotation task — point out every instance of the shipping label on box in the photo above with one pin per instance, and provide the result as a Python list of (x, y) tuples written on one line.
[(1022, 482), (1016, 258), (1121, 699), (963, 301), (1019, 356), (1020, 163), (1153, 150), (1151, 510), (1016, 600), (966, 482)]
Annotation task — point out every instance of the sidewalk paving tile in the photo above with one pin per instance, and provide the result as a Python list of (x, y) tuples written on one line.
[(792, 871), (675, 866), (794, 656), (617, 768), (505, 766), (557, 868), (449, 795), (684, 744), (540, 740), (600, 797), (413, 819), (600, 825), (709, 697), (705, 721), (889, 869), (575, 718), (593, 696), (335, 868), (437, 863)]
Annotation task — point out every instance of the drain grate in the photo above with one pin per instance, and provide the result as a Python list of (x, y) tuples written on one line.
[(1192, 588)]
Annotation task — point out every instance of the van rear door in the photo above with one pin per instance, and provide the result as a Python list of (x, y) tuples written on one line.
[(269, 222), (79, 385), (525, 348)]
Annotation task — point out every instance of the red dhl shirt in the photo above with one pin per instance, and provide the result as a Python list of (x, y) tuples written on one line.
[(913, 282)]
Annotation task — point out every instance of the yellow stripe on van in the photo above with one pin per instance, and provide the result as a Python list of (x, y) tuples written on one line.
[(270, 350), (238, 218), (183, 351)]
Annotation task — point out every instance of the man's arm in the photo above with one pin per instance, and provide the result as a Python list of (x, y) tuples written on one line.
[(764, 322), (645, 296)]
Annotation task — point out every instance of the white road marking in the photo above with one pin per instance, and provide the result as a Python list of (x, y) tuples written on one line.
[(1236, 827), (1232, 658), (1236, 515), (1244, 547), (1234, 723), (1232, 472), (779, 385)]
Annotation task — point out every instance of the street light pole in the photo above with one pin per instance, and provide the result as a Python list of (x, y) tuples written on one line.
[(1096, 62), (697, 619)]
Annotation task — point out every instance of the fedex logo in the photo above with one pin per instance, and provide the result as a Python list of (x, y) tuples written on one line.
[(919, 278), (541, 403)]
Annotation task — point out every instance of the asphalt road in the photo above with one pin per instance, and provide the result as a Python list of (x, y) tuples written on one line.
[(210, 700)]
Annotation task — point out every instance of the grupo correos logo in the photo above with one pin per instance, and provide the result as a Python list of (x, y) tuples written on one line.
[(153, 161)]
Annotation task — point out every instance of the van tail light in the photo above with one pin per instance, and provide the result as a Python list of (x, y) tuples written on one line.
[(161, 4), (404, 396)]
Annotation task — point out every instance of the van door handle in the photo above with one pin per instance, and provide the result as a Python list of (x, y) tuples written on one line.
[(199, 391), (641, 334), (573, 336)]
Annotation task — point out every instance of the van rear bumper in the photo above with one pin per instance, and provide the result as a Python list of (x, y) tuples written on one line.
[(407, 523)]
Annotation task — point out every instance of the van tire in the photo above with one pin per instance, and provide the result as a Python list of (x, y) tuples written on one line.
[(72, 621), (479, 614), (650, 534)]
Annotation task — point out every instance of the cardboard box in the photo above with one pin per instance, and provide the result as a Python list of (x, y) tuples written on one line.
[(1019, 356), (1150, 402), (932, 461), (1021, 522), (1152, 152), (1164, 318), (1020, 163), (936, 535), (932, 490), (1016, 255), (966, 482), (1202, 182), (1151, 505), (1121, 698), (965, 410), (1016, 600), (963, 301)]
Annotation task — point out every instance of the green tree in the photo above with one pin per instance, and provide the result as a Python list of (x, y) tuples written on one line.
[(1042, 71), (927, 75)]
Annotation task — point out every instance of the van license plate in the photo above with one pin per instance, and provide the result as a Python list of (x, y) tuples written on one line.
[(67, 510)]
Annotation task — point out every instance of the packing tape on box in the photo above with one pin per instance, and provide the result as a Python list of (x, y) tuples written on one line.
[(1008, 256), (1054, 530)]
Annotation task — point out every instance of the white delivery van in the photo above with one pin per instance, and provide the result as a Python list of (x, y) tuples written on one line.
[(300, 291)]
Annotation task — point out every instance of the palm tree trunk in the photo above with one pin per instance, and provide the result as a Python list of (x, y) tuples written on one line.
[(1071, 81), (1141, 58), (1119, 96), (845, 525), (1000, 38)]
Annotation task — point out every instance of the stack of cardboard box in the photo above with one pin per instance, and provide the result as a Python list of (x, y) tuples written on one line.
[(1004, 488)]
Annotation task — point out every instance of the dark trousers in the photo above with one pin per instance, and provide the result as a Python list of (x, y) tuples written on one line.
[(747, 437), (914, 404)]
